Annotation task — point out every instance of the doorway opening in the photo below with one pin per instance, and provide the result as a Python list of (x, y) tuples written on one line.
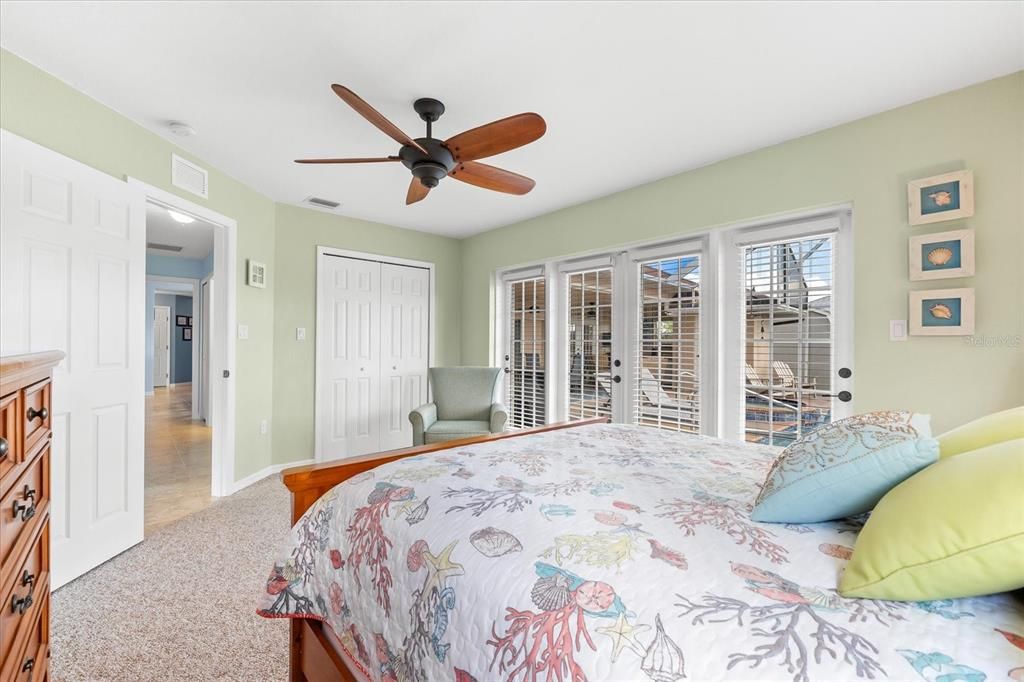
[(180, 257)]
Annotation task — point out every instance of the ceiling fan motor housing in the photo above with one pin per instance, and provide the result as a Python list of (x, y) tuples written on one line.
[(429, 168)]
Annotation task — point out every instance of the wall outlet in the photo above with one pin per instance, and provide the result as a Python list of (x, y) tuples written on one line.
[(300, 333), (263, 427), (243, 331), (897, 330)]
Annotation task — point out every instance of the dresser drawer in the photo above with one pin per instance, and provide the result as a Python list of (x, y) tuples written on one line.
[(22, 507), (10, 431), (35, 403), (20, 598), (32, 661)]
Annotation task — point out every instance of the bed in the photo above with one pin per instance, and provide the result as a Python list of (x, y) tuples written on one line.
[(593, 551)]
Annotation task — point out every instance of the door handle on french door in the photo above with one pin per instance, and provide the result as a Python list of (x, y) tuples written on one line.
[(844, 396), (226, 374), (616, 378), (845, 372)]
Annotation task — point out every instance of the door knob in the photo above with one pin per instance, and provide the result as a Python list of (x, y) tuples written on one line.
[(845, 372), (616, 378), (845, 396), (33, 413), (394, 367)]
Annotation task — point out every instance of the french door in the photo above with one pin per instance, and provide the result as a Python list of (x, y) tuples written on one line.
[(741, 333)]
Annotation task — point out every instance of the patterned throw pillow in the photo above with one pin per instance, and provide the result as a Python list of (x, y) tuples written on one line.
[(844, 468)]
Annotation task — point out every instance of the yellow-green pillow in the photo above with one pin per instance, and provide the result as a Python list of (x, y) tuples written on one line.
[(987, 430), (955, 529)]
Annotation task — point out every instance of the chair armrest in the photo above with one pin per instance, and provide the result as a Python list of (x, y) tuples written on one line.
[(498, 418), (422, 418)]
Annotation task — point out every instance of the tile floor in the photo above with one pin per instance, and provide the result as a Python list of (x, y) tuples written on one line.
[(177, 457)]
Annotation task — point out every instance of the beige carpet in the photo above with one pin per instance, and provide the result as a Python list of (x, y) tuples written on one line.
[(181, 605)]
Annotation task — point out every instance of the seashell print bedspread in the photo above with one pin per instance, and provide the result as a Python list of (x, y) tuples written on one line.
[(608, 552)]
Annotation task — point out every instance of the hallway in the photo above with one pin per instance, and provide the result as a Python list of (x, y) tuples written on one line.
[(177, 457)]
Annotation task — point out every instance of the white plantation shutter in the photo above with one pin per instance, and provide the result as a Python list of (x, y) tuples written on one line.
[(667, 359), (526, 348), (589, 335), (788, 337)]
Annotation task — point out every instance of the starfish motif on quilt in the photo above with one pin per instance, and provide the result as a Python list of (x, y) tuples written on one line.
[(623, 636)]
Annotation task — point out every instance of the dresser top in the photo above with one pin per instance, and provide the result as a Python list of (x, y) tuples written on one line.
[(19, 370)]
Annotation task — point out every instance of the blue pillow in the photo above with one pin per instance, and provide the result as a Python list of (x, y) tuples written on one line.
[(844, 468)]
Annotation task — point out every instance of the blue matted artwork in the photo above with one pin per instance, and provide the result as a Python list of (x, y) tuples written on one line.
[(940, 198), (942, 255), (941, 312)]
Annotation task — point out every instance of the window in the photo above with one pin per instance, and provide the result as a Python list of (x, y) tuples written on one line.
[(589, 347), (667, 368), (524, 356)]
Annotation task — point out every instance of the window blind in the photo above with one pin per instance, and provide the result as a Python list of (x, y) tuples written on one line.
[(526, 331)]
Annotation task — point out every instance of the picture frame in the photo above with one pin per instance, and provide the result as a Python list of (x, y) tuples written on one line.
[(942, 255), (181, 320), (186, 333), (941, 197), (189, 320), (257, 274), (942, 312)]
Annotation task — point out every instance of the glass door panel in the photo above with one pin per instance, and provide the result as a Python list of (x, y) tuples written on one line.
[(589, 336), (667, 359), (526, 303)]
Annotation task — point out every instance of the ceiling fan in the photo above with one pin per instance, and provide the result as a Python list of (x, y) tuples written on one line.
[(431, 159)]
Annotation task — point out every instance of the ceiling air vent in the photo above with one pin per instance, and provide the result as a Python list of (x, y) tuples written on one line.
[(189, 177), (325, 204), (163, 247)]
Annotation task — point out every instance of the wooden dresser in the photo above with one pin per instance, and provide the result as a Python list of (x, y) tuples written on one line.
[(25, 515)]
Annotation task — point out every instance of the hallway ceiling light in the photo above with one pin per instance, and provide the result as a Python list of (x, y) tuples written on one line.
[(181, 217)]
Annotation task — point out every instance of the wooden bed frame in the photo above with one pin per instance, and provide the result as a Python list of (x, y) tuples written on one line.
[(312, 657)]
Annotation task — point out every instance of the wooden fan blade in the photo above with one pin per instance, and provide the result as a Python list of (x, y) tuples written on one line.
[(489, 177), (375, 117), (380, 159), (497, 137), (417, 192)]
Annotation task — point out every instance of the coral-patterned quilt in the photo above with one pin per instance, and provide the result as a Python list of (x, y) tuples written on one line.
[(608, 552)]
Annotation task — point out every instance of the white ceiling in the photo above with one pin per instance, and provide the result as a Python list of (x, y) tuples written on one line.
[(631, 92), (196, 238)]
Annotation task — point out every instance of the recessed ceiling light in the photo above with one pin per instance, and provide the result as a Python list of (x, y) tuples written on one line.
[(181, 217), (181, 129)]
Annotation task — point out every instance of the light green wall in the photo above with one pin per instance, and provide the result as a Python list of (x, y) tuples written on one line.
[(41, 108), (867, 162), (299, 232)]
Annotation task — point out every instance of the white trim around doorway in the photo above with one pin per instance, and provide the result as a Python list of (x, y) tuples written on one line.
[(222, 333)]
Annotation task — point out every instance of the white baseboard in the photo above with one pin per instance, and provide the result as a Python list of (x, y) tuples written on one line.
[(263, 473)]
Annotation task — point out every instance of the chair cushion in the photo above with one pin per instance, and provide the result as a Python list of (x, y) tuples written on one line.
[(953, 530), (987, 430), (464, 393), (844, 468), (450, 430)]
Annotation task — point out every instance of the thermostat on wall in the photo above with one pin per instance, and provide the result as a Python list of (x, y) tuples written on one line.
[(257, 274)]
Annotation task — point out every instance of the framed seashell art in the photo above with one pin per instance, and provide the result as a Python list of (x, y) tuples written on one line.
[(941, 197), (942, 255), (942, 312)]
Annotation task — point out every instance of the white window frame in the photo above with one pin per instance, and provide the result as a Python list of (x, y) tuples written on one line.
[(721, 309)]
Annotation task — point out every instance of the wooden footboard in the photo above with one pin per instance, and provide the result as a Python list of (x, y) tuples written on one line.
[(311, 657)]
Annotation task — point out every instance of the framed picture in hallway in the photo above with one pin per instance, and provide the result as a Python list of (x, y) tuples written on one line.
[(186, 333), (181, 320)]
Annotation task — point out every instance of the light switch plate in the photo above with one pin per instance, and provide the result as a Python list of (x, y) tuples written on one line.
[(263, 426), (897, 330), (243, 331), (300, 333)]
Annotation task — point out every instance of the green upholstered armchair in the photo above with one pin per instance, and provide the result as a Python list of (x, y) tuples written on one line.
[(465, 404)]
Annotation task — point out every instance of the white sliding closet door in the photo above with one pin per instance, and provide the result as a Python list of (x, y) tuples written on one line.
[(373, 351), (348, 362), (405, 317), (72, 277)]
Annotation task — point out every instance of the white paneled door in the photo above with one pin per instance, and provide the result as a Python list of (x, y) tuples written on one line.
[(72, 251), (404, 322), (161, 345), (372, 354)]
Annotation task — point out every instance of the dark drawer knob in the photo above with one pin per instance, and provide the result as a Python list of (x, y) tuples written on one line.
[(33, 413), (27, 579), (20, 605), (25, 511), (28, 664), (5, 447)]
